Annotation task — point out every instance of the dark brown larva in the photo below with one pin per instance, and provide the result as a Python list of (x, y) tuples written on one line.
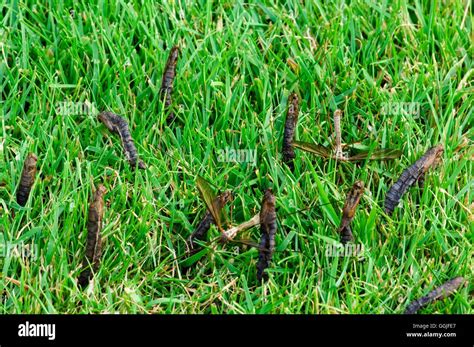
[(167, 81), (414, 173), (118, 125), (441, 292), (348, 212), (94, 241), (289, 133), (203, 227), (268, 228), (27, 179)]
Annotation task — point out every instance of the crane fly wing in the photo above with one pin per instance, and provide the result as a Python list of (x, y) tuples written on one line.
[(379, 154), (350, 145), (314, 148), (210, 200)]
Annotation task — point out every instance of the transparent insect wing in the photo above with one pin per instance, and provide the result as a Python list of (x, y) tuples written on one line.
[(314, 148), (219, 203), (380, 154), (211, 201)]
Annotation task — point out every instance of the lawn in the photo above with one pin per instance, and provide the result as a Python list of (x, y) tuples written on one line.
[(238, 64)]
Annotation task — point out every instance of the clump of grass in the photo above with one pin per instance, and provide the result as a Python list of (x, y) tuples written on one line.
[(231, 91)]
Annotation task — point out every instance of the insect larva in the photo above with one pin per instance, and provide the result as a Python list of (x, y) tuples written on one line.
[(200, 233), (289, 133), (118, 125), (348, 212), (203, 227), (169, 74), (411, 175), (94, 241), (268, 228), (27, 179), (337, 131), (441, 292)]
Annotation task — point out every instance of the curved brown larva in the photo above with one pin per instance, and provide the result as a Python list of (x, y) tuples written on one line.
[(94, 241), (441, 292), (268, 228), (349, 209), (118, 125), (411, 175), (27, 179), (169, 73), (289, 132)]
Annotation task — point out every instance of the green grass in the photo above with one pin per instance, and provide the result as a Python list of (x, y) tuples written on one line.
[(232, 85)]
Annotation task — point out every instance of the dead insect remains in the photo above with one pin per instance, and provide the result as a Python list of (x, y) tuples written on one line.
[(215, 209), (349, 209), (27, 179), (441, 292), (169, 74), (322, 151), (289, 133), (415, 173), (94, 241), (118, 125), (378, 154), (216, 215), (268, 228)]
